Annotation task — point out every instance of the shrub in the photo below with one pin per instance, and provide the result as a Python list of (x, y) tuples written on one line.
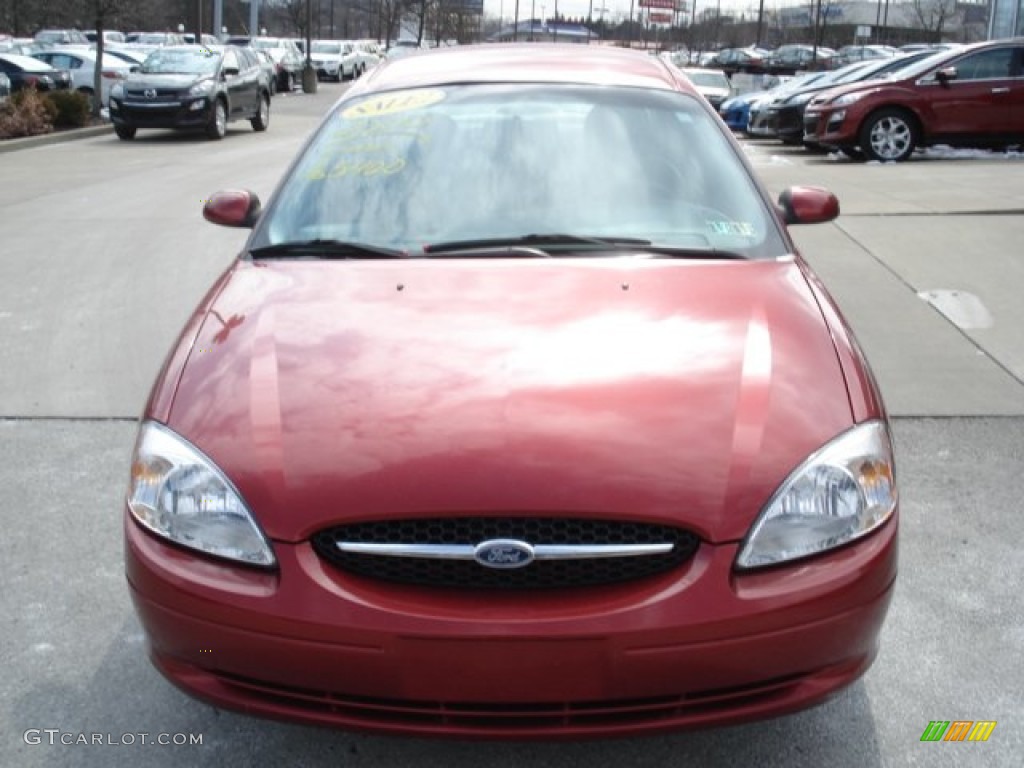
[(71, 108), (26, 114)]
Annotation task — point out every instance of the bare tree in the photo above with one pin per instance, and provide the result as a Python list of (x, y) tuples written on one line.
[(932, 15), (104, 12)]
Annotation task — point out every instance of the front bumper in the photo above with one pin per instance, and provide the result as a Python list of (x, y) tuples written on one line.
[(787, 123), (759, 123), (698, 647), (829, 126), (192, 112)]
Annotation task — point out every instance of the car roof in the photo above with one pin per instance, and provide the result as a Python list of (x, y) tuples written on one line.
[(521, 63), (83, 53), (26, 62)]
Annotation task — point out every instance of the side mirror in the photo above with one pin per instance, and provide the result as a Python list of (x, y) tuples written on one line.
[(233, 208), (946, 74), (808, 205), (231, 71)]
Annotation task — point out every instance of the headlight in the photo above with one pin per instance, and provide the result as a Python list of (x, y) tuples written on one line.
[(840, 493), (201, 88), (847, 99), (179, 494), (800, 98)]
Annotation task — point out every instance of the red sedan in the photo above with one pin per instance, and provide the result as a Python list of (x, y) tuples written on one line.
[(518, 416)]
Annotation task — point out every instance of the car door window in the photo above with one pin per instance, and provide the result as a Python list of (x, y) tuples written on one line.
[(986, 65), (248, 59)]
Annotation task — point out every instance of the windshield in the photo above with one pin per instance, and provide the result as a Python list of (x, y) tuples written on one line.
[(406, 169), (926, 62), (181, 61), (267, 44), (709, 79), (326, 47)]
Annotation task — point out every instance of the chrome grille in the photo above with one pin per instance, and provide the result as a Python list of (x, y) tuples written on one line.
[(352, 549)]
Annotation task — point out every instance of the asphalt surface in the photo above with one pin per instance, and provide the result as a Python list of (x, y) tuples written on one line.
[(103, 256)]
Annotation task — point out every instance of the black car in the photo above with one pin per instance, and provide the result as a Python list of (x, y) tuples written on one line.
[(193, 88), (790, 59), (786, 113), (26, 72)]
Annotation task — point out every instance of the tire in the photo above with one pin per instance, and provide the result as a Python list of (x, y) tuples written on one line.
[(888, 135), (218, 125), (262, 119), (289, 82), (273, 86), (124, 132)]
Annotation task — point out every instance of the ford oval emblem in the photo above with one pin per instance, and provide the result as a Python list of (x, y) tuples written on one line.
[(503, 553)]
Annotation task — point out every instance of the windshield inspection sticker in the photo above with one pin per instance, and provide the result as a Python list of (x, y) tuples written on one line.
[(390, 103), (731, 228)]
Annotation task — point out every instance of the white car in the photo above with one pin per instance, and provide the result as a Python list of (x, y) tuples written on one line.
[(712, 84), (366, 55), (335, 59), (81, 63)]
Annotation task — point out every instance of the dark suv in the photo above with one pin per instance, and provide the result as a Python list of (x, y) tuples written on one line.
[(192, 87), (972, 96)]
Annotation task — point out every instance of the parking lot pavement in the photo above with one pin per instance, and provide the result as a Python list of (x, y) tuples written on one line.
[(914, 232), (91, 298)]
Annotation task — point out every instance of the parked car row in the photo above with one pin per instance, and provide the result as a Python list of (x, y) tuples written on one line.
[(796, 57), (29, 72), (343, 59), (81, 63), (287, 59), (885, 109)]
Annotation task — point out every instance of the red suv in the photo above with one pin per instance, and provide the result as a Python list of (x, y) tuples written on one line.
[(972, 96)]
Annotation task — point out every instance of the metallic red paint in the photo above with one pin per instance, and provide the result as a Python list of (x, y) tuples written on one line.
[(541, 387), (663, 390), (347, 652)]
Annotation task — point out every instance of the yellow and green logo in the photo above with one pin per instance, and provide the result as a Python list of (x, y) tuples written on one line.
[(958, 730)]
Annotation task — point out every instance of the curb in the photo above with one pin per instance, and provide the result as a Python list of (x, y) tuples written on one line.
[(58, 137)]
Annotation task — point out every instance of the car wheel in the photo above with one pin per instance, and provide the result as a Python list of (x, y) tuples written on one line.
[(289, 82), (273, 86), (262, 119), (124, 132), (888, 135), (218, 124)]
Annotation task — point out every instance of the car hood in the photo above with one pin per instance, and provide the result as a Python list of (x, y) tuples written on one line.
[(142, 80), (672, 391), (858, 87)]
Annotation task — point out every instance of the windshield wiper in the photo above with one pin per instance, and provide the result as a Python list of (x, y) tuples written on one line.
[(677, 252), (327, 249), (534, 242), (532, 245)]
